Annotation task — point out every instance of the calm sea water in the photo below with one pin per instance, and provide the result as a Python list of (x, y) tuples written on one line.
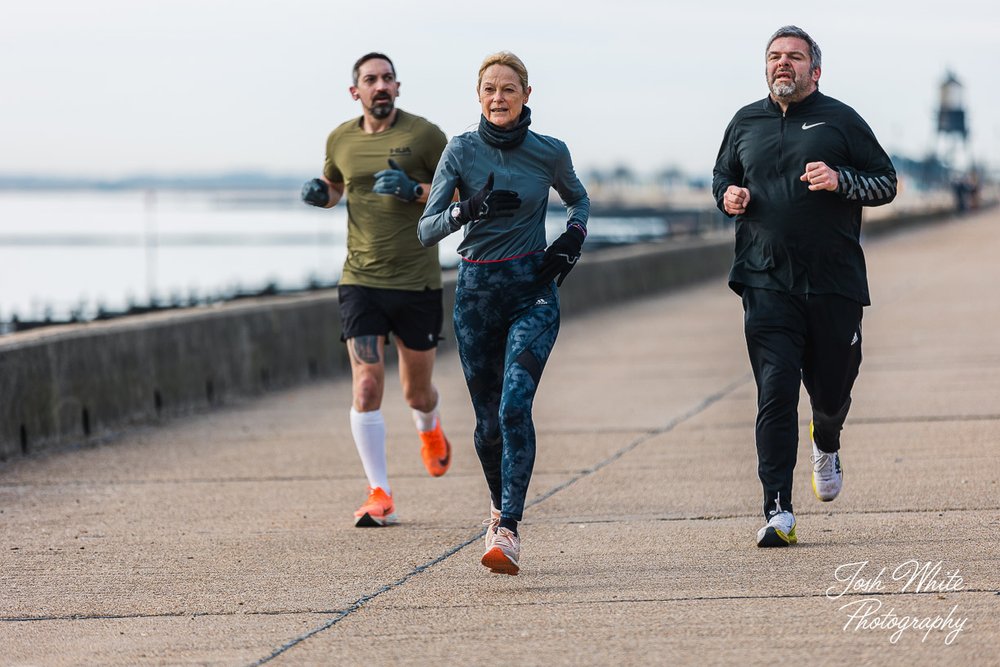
[(80, 251)]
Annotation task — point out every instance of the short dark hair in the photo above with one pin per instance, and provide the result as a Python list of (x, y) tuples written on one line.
[(365, 58), (815, 55)]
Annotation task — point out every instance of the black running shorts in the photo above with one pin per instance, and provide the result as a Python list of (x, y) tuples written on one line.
[(414, 317)]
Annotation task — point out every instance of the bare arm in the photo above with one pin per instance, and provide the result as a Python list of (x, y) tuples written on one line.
[(322, 193), (336, 191)]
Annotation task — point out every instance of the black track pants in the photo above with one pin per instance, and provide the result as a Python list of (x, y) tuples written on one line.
[(791, 338)]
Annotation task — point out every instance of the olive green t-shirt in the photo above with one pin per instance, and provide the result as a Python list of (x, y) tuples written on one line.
[(382, 246)]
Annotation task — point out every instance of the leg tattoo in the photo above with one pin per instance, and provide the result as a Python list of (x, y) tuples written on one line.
[(365, 349)]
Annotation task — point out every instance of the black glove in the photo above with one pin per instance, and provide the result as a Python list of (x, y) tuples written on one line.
[(394, 181), (488, 203), (561, 256), (314, 192)]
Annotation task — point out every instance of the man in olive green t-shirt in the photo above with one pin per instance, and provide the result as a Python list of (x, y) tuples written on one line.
[(383, 162)]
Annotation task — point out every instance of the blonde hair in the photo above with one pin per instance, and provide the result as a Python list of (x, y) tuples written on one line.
[(510, 60)]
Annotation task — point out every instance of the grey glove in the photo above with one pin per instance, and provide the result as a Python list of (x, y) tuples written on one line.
[(315, 193), (395, 182)]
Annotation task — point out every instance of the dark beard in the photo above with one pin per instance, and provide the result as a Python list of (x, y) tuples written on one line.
[(382, 109)]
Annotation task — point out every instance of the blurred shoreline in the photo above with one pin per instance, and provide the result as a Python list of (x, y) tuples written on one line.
[(105, 252)]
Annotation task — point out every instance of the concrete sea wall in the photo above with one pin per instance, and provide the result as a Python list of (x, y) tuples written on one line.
[(70, 384)]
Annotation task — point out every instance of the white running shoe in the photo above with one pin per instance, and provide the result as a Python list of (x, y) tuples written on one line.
[(779, 531), (491, 526), (828, 475)]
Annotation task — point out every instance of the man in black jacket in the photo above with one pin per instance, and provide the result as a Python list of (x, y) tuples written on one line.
[(795, 169)]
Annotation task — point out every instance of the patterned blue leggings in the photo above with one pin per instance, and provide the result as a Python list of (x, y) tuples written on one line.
[(506, 323)]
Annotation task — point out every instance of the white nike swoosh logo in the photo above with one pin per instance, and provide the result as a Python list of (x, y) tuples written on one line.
[(806, 126)]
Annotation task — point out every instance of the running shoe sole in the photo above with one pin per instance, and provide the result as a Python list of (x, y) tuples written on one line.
[(819, 497), (366, 520), (499, 563), (772, 537)]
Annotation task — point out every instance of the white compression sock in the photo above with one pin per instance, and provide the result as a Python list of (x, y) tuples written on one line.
[(368, 429), (426, 421)]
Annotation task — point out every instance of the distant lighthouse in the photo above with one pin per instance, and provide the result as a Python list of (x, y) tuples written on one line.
[(953, 144), (952, 130), (951, 112)]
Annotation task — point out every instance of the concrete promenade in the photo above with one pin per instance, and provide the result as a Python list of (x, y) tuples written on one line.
[(226, 539)]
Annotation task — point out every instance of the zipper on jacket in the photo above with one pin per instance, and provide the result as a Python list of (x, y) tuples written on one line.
[(781, 143), (505, 173)]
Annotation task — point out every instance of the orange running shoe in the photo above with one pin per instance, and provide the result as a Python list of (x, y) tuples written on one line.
[(436, 450), (503, 553), (378, 510)]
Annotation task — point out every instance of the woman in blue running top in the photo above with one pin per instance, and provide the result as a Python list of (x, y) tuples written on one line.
[(506, 301)]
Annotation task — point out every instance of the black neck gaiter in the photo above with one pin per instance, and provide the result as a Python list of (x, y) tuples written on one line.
[(502, 138)]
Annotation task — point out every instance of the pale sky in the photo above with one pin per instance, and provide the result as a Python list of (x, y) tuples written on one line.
[(107, 88)]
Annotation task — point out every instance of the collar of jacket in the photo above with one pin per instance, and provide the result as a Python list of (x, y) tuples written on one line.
[(794, 107), (501, 138)]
